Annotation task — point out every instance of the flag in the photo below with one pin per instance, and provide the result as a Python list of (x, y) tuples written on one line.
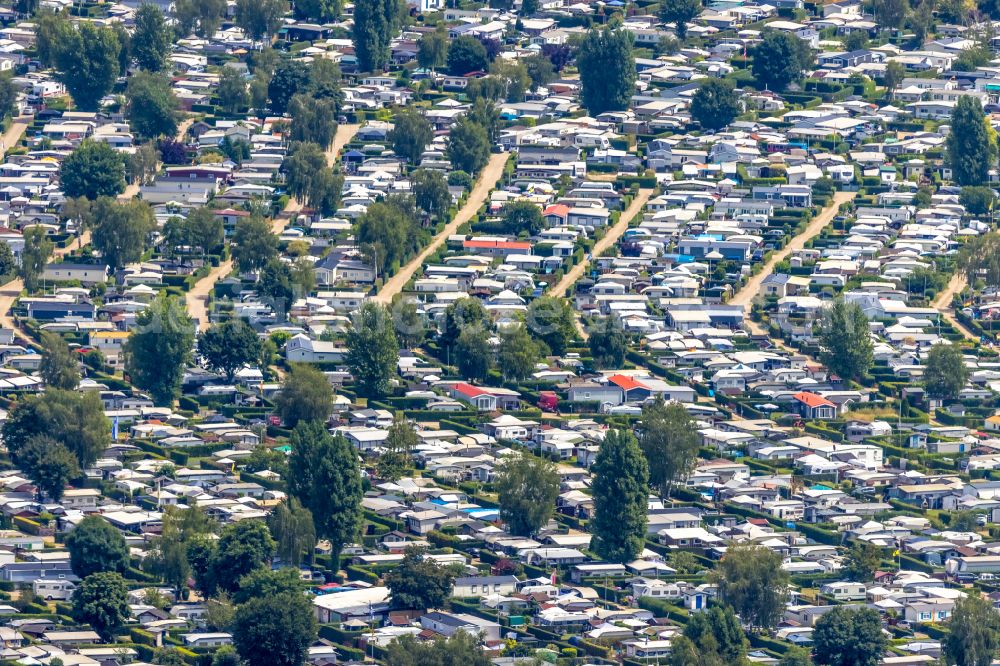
[(553, 576), (895, 553), (114, 429)]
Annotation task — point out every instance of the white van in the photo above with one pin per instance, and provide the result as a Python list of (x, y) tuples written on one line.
[(54, 588)]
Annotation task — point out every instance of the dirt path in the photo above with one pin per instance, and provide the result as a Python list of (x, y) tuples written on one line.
[(196, 298), (488, 179), (609, 239), (943, 305)]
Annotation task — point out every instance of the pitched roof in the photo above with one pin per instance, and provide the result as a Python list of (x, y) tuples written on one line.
[(626, 383), (812, 400)]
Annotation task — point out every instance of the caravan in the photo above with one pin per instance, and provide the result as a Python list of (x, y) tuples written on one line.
[(54, 588)]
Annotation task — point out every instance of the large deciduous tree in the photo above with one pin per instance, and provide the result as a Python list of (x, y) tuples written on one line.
[(973, 637), (620, 498), (372, 350), (101, 600), (680, 13), (418, 582), (121, 229), (850, 637), (151, 39), (945, 372), (411, 132), (306, 395), (971, 143), (779, 59), (96, 545), (715, 104), (323, 474), (375, 24), (94, 169), (846, 340), (527, 487), (607, 70), (669, 440), (159, 349), (229, 346), (152, 105), (751, 580)]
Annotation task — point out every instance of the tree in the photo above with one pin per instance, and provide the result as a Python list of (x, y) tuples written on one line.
[(780, 59), (418, 582), (540, 70), (430, 192), (432, 51), (203, 17), (101, 600), (226, 656), (973, 637), (796, 656), (305, 395), (715, 104), (389, 231), (152, 105), (253, 244), (229, 346), (522, 216), (276, 630), (375, 24), (464, 313), (461, 649), (151, 39), (518, 353), (607, 70), (243, 547), (396, 459), (232, 90), (86, 61), (8, 263), (669, 440), (37, 250), (862, 561), (890, 14), (466, 54), (313, 120), (121, 229), (265, 582), (468, 146), (372, 350), (59, 367), (289, 78), (846, 340), (620, 498), (718, 635), (260, 17), (751, 580), (317, 11), (75, 419), (964, 521), (527, 487), (96, 545), (945, 372), (50, 464), (294, 533), (978, 200), (894, 75), (971, 143), (323, 474), (94, 169), (159, 349), (552, 321), (680, 13), (8, 95), (473, 353), (608, 343), (849, 637), (411, 132)]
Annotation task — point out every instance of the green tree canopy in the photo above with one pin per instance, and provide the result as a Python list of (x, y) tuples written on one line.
[(608, 342), (522, 216), (468, 146), (243, 547), (152, 38), (275, 630), (751, 580), (59, 367), (159, 349), (779, 59), (101, 600), (850, 637), (75, 419), (418, 582), (86, 61), (466, 54), (621, 498), (260, 17), (294, 533), (323, 474), (229, 346), (396, 459), (253, 244), (152, 105), (121, 230), (669, 439), (35, 255), (306, 395), (527, 487), (846, 340), (372, 350), (862, 561), (96, 545), (462, 649), (977, 199), (202, 17), (715, 104), (973, 637), (607, 70), (411, 132), (945, 372), (971, 144), (473, 353), (552, 321), (49, 464), (433, 49), (430, 192), (518, 353), (94, 169), (376, 22), (680, 13)]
